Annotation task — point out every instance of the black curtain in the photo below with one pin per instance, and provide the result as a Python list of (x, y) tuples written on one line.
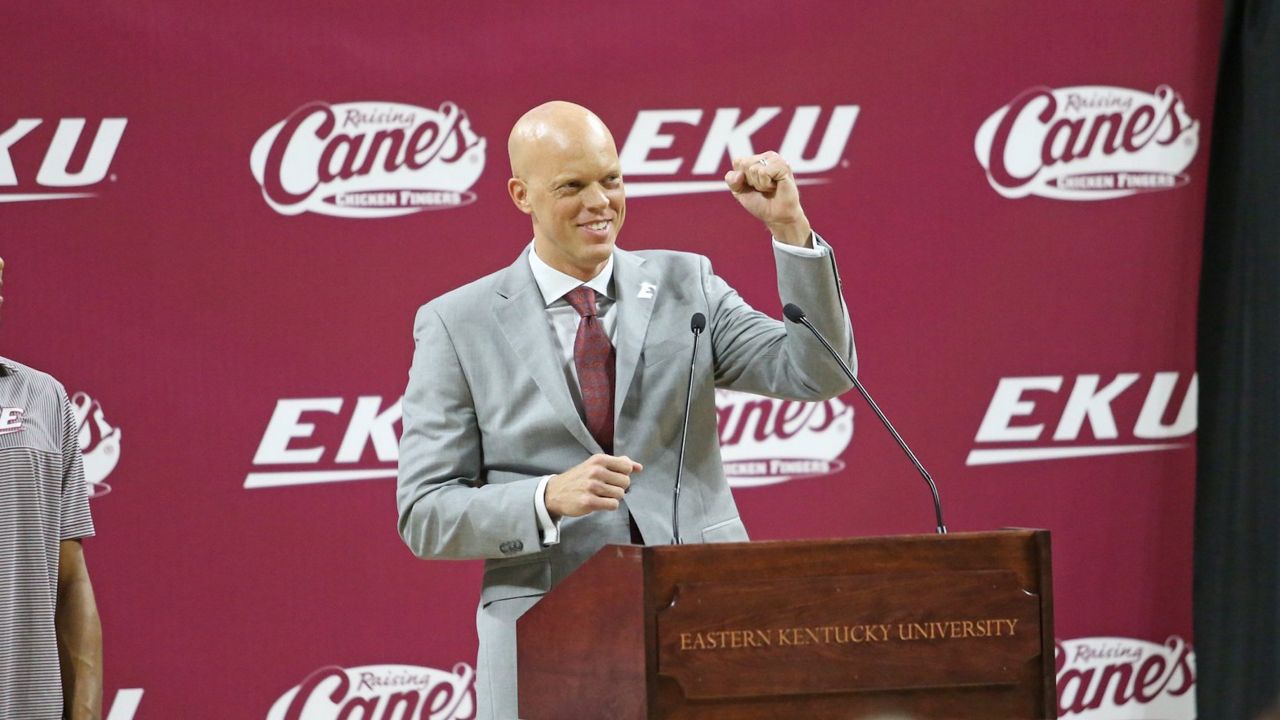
[(1237, 552)]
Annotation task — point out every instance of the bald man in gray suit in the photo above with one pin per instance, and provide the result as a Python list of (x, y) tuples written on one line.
[(543, 413)]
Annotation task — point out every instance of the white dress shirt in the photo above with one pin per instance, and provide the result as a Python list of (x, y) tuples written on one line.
[(564, 319)]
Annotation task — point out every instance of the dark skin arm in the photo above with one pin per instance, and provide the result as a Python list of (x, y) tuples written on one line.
[(79, 636)]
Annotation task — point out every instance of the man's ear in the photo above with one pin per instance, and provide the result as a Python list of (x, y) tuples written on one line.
[(519, 192)]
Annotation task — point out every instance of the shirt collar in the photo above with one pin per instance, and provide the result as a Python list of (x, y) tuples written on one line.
[(553, 284), (6, 366)]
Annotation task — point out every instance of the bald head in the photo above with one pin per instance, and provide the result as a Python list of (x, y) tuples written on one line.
[(554, 129), (566, 177)]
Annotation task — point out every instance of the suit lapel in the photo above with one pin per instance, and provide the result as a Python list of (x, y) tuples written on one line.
[(521, 314), (636, 294)]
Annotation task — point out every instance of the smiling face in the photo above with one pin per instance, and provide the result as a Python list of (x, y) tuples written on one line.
[(567, 178)]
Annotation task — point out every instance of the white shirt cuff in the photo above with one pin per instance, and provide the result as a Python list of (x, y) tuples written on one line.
[(550, 528), (816, 251)]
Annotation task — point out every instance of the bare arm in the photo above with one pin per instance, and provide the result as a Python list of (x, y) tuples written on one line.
[(79, 636)]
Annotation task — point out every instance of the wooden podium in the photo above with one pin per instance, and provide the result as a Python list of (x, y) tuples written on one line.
[(917, 626)]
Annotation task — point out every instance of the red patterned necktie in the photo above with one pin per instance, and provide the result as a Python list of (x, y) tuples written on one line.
[(593, 356)]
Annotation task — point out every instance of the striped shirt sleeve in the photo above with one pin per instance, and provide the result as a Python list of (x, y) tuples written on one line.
[(76, 521)]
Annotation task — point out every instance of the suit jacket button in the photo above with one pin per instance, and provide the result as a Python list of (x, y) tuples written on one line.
[(511, 546)]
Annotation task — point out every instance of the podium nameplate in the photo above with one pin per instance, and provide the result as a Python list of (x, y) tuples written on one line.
[(848, 633)]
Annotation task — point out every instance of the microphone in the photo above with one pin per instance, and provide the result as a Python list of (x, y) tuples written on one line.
[(796, 315), (697, 324)]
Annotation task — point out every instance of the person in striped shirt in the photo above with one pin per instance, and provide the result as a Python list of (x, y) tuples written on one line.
[(50, 634)]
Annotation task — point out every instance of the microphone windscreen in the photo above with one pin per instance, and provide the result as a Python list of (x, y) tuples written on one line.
[(698, 322), (793, 312)]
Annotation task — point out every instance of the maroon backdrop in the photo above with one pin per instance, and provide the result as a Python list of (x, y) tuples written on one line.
[(224, 255)]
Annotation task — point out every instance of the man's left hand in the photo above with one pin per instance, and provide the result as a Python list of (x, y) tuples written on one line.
[(766, 188)]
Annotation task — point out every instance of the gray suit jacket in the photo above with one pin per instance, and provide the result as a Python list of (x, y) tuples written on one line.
[(487, 412)]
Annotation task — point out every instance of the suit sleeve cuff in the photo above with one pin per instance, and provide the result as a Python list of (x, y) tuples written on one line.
[(550, 528), (818, 249)]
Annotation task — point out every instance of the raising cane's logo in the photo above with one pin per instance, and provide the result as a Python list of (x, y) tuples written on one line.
[(765, 441), (380, 691), (1115, 678), (368, 160), (1089, 142), (99, 443)]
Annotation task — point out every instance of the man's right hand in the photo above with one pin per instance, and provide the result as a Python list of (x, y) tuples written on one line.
[(597, 484)]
